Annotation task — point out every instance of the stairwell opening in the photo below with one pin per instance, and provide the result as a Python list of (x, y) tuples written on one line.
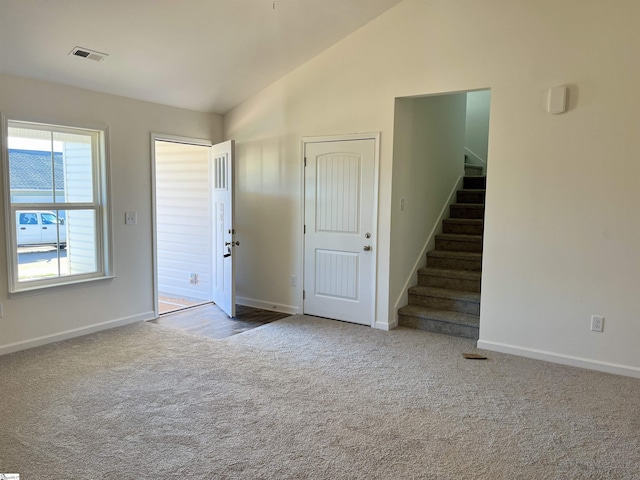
[(439, 185)]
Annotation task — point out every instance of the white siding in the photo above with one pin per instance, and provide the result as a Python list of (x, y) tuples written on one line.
[(80, 224), (33, 196), (183, 220)]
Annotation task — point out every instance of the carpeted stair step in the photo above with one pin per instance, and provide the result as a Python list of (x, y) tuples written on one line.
[(438, 321), (464, 226), (455, 260), (452, 279), (468, 195), (477, 181), (445, 299), (467, 210), (455, 242), (470, 169)]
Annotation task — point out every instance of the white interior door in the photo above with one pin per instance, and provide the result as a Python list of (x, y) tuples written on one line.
[(339, 251), (224, 243)]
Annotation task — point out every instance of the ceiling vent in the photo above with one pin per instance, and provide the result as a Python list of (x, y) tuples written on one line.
[(86, 53)]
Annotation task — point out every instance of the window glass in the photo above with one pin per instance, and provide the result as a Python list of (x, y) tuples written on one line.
[(57, 171), (28, 218), (48, 218), (35, 166), (77, 178)]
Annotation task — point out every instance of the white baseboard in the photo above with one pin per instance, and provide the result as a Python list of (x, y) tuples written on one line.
[(76, 332), (561, 359), (386, 326), (272, 306)]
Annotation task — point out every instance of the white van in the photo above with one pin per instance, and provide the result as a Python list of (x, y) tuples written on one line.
[(40, 228)]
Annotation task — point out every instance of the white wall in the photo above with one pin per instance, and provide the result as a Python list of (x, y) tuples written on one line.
[(560, 239), (476, 137), (428, 160), (32, 319)]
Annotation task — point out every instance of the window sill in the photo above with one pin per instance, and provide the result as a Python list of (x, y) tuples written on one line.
[(61, 286)]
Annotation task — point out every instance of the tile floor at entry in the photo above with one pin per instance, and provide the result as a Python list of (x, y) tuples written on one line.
[(171, 303), (210, 321)]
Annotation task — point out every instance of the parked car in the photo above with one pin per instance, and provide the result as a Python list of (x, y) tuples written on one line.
[(40, 228)]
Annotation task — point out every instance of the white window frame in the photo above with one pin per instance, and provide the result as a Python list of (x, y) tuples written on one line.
[(100, 205)]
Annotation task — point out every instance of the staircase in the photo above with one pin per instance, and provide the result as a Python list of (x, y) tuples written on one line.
[(447, 297), (470, 169)]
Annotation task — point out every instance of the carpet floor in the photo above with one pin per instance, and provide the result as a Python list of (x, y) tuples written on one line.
[(308, 398)]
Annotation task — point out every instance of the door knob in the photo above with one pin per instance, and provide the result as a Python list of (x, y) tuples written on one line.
[(367, 248)]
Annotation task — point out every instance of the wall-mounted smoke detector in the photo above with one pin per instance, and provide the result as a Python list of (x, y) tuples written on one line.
[(86, 53)]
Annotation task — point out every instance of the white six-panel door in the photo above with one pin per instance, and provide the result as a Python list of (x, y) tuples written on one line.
[(339, 250)]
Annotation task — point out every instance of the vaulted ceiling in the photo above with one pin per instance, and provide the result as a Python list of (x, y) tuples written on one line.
[(204, 55)]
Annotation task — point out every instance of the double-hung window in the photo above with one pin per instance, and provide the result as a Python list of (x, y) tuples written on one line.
[(56, 197)]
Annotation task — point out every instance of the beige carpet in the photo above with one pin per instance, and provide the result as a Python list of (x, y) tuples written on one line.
[(308, 398)]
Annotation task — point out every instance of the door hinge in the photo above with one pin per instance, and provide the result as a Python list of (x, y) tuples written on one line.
[(305, 229), (305, 161), (304, 294)]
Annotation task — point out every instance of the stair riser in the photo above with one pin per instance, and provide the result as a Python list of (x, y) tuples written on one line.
[(463, 211), (454, 263), (450, 304), (470, 197), (436, 326), (451, 227), (474, 182), (472, 171), (447, 282), (455, 246)]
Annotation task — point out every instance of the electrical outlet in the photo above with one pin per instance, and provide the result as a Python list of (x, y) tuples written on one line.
[(130, 218), (194, 279), (293, 280), (597, 323)]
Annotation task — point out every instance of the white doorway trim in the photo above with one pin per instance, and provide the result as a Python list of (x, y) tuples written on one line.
[(154, 234), (375, 136)]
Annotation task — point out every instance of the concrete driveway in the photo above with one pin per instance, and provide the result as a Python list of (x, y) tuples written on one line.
[(42, 261)]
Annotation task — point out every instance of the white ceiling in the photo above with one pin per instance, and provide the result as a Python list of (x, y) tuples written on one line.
[(204, 55)]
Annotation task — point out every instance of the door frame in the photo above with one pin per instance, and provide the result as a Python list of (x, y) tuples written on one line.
[(375, 136), (154, 227)]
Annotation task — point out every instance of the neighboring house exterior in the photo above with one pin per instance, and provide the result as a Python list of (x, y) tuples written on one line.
[(31, 179)]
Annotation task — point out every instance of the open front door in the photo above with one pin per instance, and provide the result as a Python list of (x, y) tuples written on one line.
[(224, 243)]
